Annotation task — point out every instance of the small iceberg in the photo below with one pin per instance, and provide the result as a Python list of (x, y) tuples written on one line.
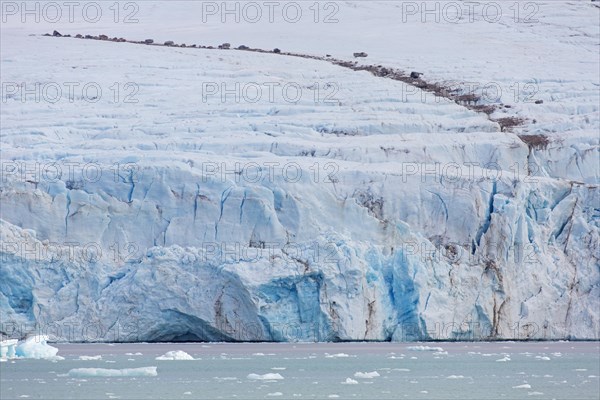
[(176, 355), (38, 348)]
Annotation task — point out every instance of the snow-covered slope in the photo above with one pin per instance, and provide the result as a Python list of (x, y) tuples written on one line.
[(363, 210)]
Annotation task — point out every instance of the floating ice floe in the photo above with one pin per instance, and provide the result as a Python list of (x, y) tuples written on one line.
[(338, 355), (104, 372), (265, 377), (350, 381), (275, 394), (366, 375), (506, 358), (523, 386), (455, 377), (90, 358), (175, 355), (226, 378), (425, 348)]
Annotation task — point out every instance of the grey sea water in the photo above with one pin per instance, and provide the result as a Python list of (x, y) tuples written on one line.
[(503, 370)]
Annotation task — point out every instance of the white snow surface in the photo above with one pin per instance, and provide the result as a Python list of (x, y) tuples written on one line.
[(345, 219)]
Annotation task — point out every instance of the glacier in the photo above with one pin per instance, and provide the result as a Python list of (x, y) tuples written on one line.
[(387, 214)]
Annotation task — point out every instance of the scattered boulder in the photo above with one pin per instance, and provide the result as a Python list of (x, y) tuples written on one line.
[(225, 46), (416, 75), (361, 54), (169, 43), (46, 34), (56, 33), (79, 36), (276, 51), (539, 102), (103, 37), (148, 41), (193, 45), (242, 47), (327, 55), (182, 45), (89, 37), (467, 98)]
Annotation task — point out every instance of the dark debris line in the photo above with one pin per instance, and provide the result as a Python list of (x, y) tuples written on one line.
[(469, 100)]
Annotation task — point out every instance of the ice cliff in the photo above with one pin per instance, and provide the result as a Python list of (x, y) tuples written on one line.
[(382, 215)]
